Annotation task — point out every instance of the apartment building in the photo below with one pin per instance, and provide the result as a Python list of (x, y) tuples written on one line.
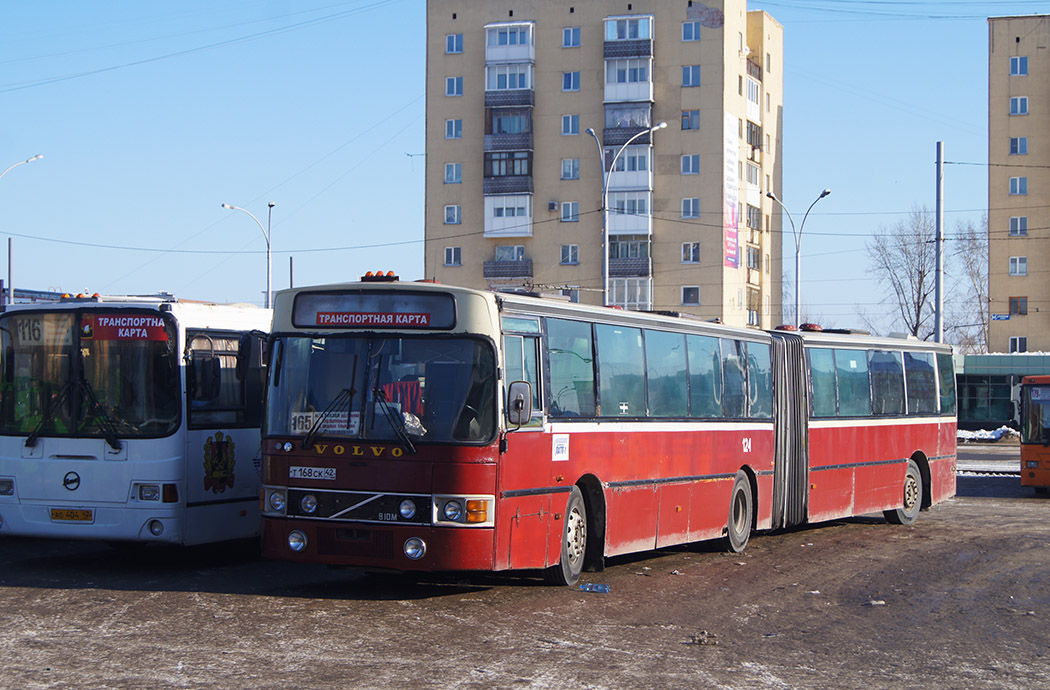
[(1019, 183), (613, 152)]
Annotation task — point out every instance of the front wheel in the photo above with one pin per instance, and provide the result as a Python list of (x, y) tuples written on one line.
[(573, 543), (738, 529), (906, 514)]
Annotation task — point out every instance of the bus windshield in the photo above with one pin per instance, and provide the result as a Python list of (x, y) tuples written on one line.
[(1036, 426), (383, 388), (87, 374)]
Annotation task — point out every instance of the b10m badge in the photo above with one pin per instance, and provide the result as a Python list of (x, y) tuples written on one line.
[(218, 463)]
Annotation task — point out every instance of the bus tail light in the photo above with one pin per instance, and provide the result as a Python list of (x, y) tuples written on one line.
[(170, 493)]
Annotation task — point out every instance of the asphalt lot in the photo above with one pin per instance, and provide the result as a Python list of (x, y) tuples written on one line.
[(957, 600)]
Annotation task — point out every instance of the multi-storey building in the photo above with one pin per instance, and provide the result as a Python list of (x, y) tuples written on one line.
[(1019, 183), (548, 169)]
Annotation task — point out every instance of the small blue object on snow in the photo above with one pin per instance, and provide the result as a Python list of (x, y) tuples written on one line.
[(604, 589)]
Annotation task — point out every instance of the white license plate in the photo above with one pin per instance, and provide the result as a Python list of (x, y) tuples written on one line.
[(325, 473)]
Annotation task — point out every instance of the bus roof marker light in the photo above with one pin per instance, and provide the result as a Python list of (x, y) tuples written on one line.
[(380, 277)]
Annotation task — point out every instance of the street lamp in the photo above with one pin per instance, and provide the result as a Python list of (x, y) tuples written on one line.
[(606, 174), (266, 236), (10, 296), (798, 243)]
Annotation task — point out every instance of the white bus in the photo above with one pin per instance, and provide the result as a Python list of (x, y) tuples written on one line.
[(130, 419)]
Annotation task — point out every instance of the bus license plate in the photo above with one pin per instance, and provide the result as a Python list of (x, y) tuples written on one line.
[(71, 515), (326, 473)]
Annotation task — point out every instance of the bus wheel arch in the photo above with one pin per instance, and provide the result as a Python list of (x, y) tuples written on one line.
[(594, 499), (920, 459)]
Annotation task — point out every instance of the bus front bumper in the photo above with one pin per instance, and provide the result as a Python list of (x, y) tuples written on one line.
[(102, 523)]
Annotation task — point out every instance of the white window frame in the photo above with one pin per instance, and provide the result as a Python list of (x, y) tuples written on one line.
[(453, 256), (690, 112), (453, 214), (570, 37), (454, 128), (691, 31), (1018, 265), (629, 293), (633, 159), (1019, 226), (570, 168), (1019, 66), (510, 252), (515, 77), (634, 28), (1018, 343), (453, 86), (570, 125), (515, 211), (1018, 186), (690, 76), (570, 254), (453, 44), (690, 252), (1018, 146), (570, 211), (694, 289), (570, 81), (453, 173), (753, 90), (510, 35), (691, 207), (690, 163), (1019, 105), (629, 203), (628, 70)]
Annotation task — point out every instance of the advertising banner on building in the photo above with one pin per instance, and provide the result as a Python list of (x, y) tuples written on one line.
[(731, 203)]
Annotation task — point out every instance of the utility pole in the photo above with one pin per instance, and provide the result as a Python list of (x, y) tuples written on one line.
[(938, 328)]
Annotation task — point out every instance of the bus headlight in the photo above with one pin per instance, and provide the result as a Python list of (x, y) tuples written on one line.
[(407, 509), (453, 511), (276, 501), (464, 511), (156, 527), (149, 492), (308, 503), (7, 487), (296, 540), (415, 548)]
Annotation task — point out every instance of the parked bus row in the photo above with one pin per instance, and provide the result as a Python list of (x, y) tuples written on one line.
[(413, 426)]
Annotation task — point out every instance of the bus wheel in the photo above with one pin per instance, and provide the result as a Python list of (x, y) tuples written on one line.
[(906, 514), (573, 543), (739, 527)]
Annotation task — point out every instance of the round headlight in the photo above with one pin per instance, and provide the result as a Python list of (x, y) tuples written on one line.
[(408, 509), (453, 511), (276, 500), (296, 540), (415, 548), (308, 504)]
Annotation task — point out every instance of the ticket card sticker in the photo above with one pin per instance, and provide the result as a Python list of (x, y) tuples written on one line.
[(365, 318), (1041, 394), (123, 327)]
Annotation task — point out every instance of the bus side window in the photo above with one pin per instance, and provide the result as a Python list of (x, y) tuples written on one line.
[(759, 381), (734, 355), (854, 386), (822, 399), (571, 351), (705, 376), (521, 359), (887, 382), (946, 374), (921, 382)]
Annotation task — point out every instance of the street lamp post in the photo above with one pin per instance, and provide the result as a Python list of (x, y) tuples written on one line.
[(266, 236), (9, 298), (798, 244), (606, 174)]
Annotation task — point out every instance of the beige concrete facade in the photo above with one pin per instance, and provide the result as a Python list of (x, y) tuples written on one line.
[(618, 68), (1019, 183)]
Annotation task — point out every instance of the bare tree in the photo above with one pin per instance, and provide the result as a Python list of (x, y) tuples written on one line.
[(903, 261), (970, 260)]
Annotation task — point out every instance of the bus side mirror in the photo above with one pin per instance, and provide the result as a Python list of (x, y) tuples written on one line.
[(244, 355), (519, 403)]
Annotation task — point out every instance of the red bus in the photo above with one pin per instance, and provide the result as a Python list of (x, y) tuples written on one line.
[(1035, 433), (425, 427)]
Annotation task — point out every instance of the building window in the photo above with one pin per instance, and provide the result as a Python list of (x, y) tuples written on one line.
[(509, 121), (453, 256), (690, 252), (570, 211), (1018, 146), (629, 293), (690, 119), (1018, 66), (754, 258), (1018, 265), (1019, 226), (453, 173), (754, 136), (691, 164), (570, 168), (570, 37), (453, 215), (510, 207), (1019, 105), (627, 71), (754, 174), (507, 163), (570, 81), (628, 28), (509, 36), (510, 252), (454, 129), (1018, 186), (690, 75), (636, 115), (633, 159), (1018, 344), (752, 91), (570, 124), (754, 217), (570, 254), (629, 203), (690, 31), (691, 295), (629, 247), (508, 77), (453, 86), (691, 208), (454, 43), (1018, 306)]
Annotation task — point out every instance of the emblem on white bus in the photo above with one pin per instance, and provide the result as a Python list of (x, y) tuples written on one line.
[(218, 463), (71, 481)]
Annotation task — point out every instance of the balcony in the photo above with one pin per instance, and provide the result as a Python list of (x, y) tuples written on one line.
[(507, 269), (508, 184), (754, 69), (642, 47), (621, 268), (508, 142), (509, 97), (618, 136)]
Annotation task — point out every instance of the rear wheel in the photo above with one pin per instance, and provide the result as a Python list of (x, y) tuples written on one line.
[(906, 514), (573, 543), (738, 530)]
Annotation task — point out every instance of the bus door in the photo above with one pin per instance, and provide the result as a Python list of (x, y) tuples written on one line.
[(791, 412), (223, 451), (523, 517)]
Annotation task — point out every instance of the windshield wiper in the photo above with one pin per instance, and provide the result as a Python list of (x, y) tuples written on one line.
[(49, 413), (394, 419), (102, 419), (345, 397)]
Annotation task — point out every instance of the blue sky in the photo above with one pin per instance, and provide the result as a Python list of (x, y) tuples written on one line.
[(151, 115)]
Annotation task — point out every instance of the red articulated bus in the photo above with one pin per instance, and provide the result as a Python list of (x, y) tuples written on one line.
[(430, 428)]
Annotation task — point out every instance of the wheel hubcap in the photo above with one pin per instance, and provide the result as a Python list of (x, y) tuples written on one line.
[(575, 536), (911, 492)]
